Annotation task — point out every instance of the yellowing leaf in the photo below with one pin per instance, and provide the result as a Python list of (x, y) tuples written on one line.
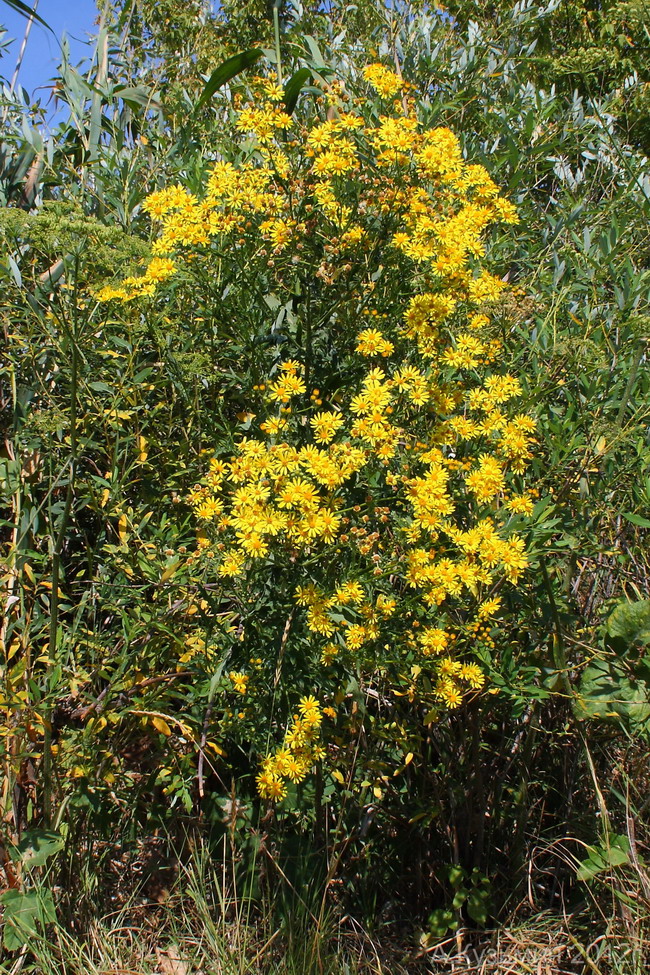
[(12, 650), (338, 776), (170, 570), (143, 453), (215, 748), (408, 759), (161, 725)]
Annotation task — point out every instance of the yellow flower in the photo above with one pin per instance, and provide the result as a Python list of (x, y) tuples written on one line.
[(307, 704), (520, 504), (489, 608), (296, 769), (209, 508), (239, 680), (473, 675), (486, 481), (270, 786), (232, 564), (356, 636), (328, 653), (433, 640), (449, 693), (383, 80), (371, 342), (325, 426), (281, 759), (285, 388), (385, 605)]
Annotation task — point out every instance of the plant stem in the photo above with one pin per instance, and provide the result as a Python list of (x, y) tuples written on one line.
[(558, 647), (636, 362), (276, 32), (56, 572)]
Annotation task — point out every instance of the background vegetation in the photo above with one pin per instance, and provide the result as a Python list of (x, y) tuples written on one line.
[(520, 822)]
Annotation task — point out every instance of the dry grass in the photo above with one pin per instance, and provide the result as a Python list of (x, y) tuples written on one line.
[(199, 943), (198, 923)]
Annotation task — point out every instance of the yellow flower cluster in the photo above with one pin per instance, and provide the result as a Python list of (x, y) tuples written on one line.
[(405, 482), (371, 342), (158, 270), (444, 204), (382, 80), (300, 752)]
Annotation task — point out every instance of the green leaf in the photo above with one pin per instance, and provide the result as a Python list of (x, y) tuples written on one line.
[(602, 858), (24, 914), (293, 88), (26, 11), (139, 97), (630, 622), (233, 66), (590, 868), (456, 876), (478, 905), (609, 693), (459, 898), (636, 519), (36, 846), (440, 921)]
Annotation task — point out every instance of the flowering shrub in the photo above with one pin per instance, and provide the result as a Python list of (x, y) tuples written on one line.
[(381, 487)]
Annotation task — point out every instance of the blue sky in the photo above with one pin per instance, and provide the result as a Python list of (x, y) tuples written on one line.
[(74, 18)]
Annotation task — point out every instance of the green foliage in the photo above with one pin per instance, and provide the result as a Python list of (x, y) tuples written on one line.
[(630, 624), (106, 425), (27, 912), (604, 858), (226, 71), (616, 686), (49, 242), (470, 893), (610, 690), (25, 916), (35, 848), (598, 50)]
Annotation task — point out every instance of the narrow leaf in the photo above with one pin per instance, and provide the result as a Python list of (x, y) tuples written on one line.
[(26, 11), (635, 519), (233, 66), (293, 88)]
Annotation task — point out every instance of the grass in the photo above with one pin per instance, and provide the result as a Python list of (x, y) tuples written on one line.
[(200, 924)]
